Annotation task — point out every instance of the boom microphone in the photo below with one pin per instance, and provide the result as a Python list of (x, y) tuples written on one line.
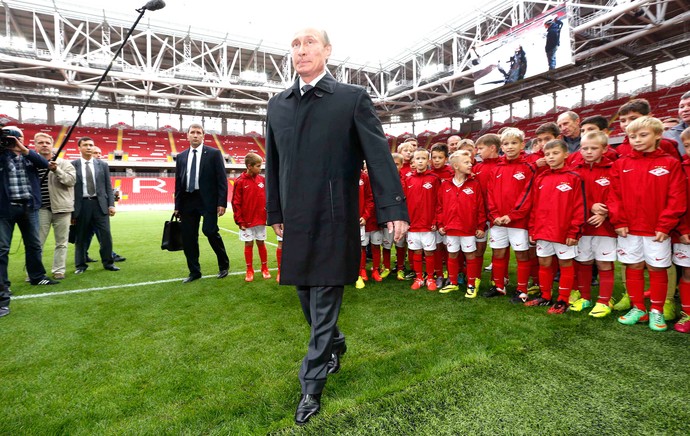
[(154, 5)]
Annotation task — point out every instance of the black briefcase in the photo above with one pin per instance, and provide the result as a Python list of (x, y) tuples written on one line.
[(172, 235)]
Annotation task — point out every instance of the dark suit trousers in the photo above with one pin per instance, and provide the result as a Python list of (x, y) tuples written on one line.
[(321, 307), (91, 216), (190, 215)]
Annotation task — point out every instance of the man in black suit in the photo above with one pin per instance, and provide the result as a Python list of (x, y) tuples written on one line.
[(318, 133), (201, 190), (94, 204)]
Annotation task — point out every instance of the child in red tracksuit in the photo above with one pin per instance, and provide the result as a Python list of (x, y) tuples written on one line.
[(681, 246), (367, 215), (556, 220), (440, 167), (487, 149), (647, 199), (629, 112), (406, 150), (461, 218), (598, 241), (249, 212), (421, 190), (508, 198)]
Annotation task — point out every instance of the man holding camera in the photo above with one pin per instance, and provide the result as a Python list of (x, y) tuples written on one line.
[(20, 199)]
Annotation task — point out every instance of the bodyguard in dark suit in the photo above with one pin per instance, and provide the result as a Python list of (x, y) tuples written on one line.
[(318, 133), (94, 204), (201, 190)]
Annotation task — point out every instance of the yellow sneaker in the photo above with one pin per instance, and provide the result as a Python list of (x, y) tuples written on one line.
[(385, 273), (623, 303), (360, 283), (401, 274), (449, 288), (601, 310), (580, 305), (574, 296), (669, 310)]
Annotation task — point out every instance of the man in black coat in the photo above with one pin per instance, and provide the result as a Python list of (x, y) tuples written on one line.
[(318, 133), (201, 190)]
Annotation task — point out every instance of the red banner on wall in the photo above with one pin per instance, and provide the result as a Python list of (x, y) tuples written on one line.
[(149, 190)]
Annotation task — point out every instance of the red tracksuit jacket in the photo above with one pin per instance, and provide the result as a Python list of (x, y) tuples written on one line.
[(597, 178), (683, 227), (648, 193), (509, 191), (533, 158), (668, 145), (421, 190), (558, 206), (367, 208), (444, 173), (460, 209), (249, 201)]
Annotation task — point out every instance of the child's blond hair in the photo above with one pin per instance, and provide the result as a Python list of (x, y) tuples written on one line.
[(598, 136), (252, 159), (513, 133)]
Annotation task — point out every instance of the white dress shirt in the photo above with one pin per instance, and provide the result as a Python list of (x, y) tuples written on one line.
[(85, 190), (199, 150)]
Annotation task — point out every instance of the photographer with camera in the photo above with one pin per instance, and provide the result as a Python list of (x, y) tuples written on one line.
[(20, 199)]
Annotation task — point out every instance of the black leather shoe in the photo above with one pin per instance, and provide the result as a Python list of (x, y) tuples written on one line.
[(112, 268), (334, 363), (89, 260), (222, 273), (118, 258), (4, 311), (309, 405), (80, 271), (191, 279)]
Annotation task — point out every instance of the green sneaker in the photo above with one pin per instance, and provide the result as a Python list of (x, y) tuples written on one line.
[(574, 296), (385, 273), (634, 316), (600, 310), (623, 303), (656, 321), (471, 292), (449, 288), (669, 310), (580, 305), (400, 274)]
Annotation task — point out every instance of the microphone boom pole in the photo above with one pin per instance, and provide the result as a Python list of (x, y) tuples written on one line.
[(152, 5)]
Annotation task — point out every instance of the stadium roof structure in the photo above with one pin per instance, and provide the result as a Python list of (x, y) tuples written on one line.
[(50, 55)]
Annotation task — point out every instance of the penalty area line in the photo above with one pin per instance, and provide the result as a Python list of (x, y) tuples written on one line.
[(106, 288)]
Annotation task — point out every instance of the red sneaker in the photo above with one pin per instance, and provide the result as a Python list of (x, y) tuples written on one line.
[(363, 274), (418, 283), (376, 276), (559, 308), (250, 276), (265, 273), (431, 284)]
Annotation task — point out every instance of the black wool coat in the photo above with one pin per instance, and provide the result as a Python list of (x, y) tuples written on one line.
[(315, 145)]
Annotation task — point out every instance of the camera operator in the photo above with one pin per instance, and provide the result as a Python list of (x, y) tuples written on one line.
[(20, 199)]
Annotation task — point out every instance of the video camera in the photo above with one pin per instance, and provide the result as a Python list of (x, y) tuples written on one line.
[(6, 135)]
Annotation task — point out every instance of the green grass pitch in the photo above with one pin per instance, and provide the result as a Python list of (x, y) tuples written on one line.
[(141, 353)]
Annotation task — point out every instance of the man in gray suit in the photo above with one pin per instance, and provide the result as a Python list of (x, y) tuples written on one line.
[(94, 204)]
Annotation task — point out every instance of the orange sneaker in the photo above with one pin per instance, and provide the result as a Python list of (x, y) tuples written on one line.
[(418, 283), (265, 273), (431, 284), (250, 276), (376, 276), (363, 274)]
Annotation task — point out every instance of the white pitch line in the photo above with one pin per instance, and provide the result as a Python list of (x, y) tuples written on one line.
[(237, 233), (105, 288)]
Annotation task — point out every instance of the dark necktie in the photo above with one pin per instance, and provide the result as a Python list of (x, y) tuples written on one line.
[(191, 178), (306, 89), (90, 186)]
